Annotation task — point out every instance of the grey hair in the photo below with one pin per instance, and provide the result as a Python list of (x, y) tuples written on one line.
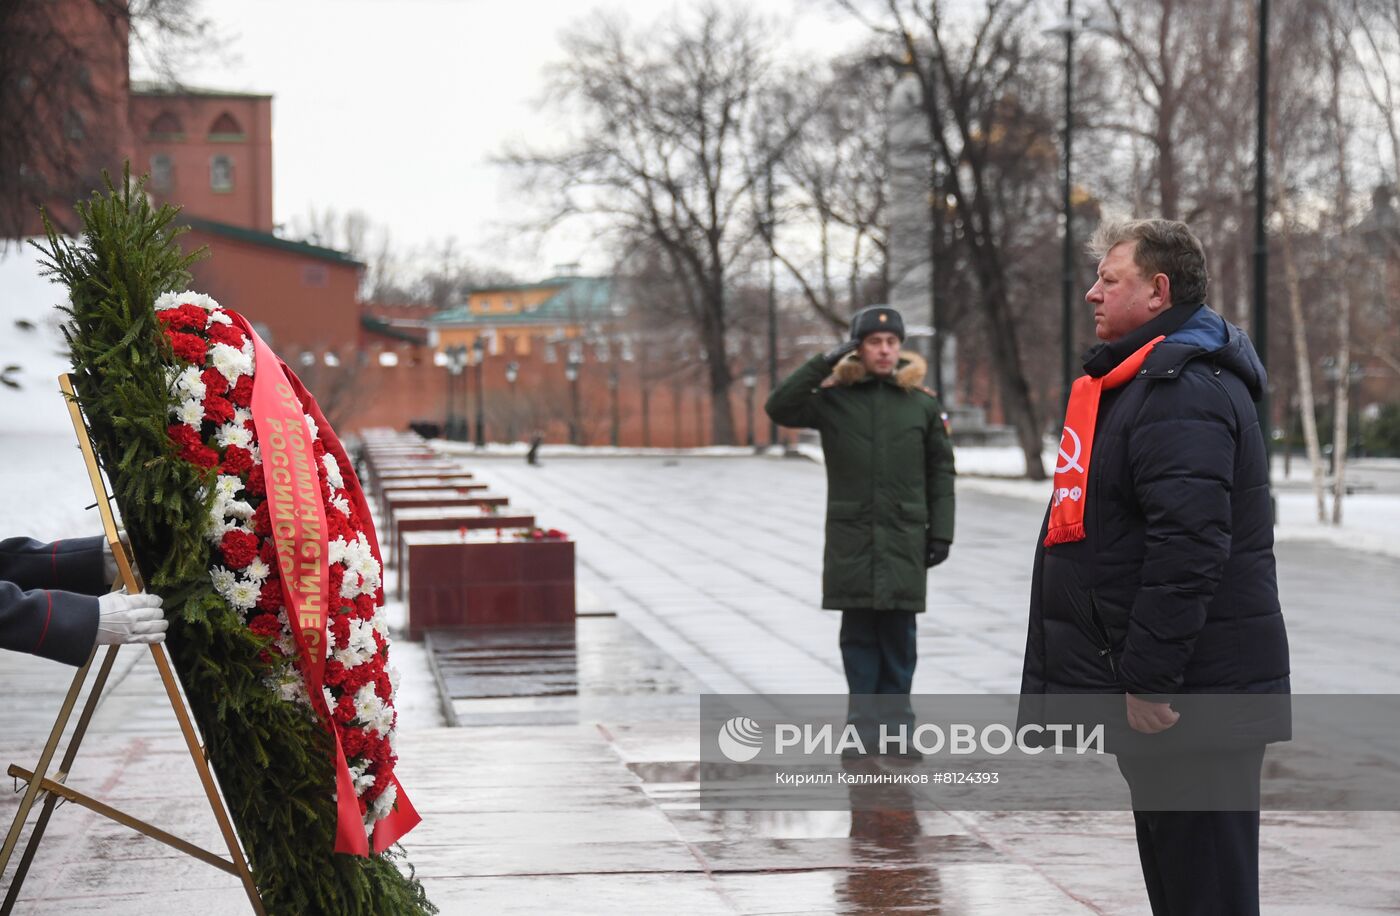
[(1162, 246)]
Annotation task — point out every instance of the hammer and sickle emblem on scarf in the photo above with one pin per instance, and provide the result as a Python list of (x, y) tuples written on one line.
[(1070, 462)]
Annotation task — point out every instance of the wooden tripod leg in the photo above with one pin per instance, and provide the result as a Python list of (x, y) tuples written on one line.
[(32, 791), (206, 776)]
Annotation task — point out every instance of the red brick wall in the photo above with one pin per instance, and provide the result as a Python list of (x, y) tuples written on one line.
[(304, 301), (249, 202)]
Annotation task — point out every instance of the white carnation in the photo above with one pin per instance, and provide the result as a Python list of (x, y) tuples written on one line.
[(384, 804), (231, 362), (238, 509), (188, 297), (219, 317), (233, 434), (333, 473)]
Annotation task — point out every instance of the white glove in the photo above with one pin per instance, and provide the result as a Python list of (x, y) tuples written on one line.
[(124, 618)]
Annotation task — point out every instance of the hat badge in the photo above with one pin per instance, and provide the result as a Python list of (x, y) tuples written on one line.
[(884, 317)]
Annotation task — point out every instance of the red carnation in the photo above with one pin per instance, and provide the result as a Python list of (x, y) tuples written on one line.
[(345, 710), (183, 436), (340, 628), (242, 392), (237, 460), (262, 519), (183, 317), (188, 347), (319, 448), (200, 455), (364, 607), (267, 552), (257, 483), (335, 579), (239, 548), (265, 625), (217, 409), (334, 673), (214, 382), (270, 597), (227, 334)]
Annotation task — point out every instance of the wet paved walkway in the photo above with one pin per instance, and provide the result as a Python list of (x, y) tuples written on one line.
[(711, 566)]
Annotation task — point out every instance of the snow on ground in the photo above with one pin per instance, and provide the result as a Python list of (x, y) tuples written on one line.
[(25, 295)]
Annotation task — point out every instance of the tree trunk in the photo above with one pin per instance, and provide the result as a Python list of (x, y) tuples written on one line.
[(1307, 402), (1006, 356), (1342, 401)]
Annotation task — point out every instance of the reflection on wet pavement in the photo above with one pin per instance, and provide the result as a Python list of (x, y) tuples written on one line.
[(597, 669)]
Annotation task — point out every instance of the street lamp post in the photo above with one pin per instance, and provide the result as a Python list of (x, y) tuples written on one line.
[(1069, 27), (750, 383), (616, 413), (571, 373), (456, 363), (479, 352), (512, 373)]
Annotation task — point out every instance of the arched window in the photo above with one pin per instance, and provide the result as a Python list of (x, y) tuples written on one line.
[(225, 128), (221, 173), (162, 172), (166, 126)]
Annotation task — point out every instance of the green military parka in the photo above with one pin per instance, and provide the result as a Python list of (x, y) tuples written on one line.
[(889, 472)]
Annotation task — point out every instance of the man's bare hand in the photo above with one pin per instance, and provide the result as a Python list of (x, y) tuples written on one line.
[(1148, 717)]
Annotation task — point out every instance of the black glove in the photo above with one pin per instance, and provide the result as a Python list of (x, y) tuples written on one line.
[(937, 552), (835, 356)]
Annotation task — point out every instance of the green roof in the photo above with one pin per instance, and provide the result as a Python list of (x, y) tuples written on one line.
[(267, 239), (148, 88), (579, 299)]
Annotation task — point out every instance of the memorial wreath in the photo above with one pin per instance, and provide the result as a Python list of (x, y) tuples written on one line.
[(244, 511)]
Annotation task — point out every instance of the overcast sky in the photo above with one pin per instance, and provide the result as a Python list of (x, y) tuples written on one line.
[(396, 108)]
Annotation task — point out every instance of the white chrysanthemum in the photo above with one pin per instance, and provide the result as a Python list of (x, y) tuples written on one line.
[(381, 626), (330, 697), (311, 426), (244, 594), (292, 689), (257, 570), (241, 415), (393, 674), (219, 316), (223, 580), (188, 297), (191, 413), (233, 434), (231, 362), (226, 487), (337, 550), (218, 526), (339, 502), (187, 382), (332, 472)]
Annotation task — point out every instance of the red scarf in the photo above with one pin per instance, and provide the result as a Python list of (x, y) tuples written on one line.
[(1077, 445)]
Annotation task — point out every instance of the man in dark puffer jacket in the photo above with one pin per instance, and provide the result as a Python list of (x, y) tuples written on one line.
[(1159, 573)]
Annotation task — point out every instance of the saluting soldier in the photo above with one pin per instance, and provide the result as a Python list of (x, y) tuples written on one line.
[(889, 511)]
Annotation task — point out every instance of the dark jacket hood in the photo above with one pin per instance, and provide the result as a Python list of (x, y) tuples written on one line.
[(1192, 332)]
